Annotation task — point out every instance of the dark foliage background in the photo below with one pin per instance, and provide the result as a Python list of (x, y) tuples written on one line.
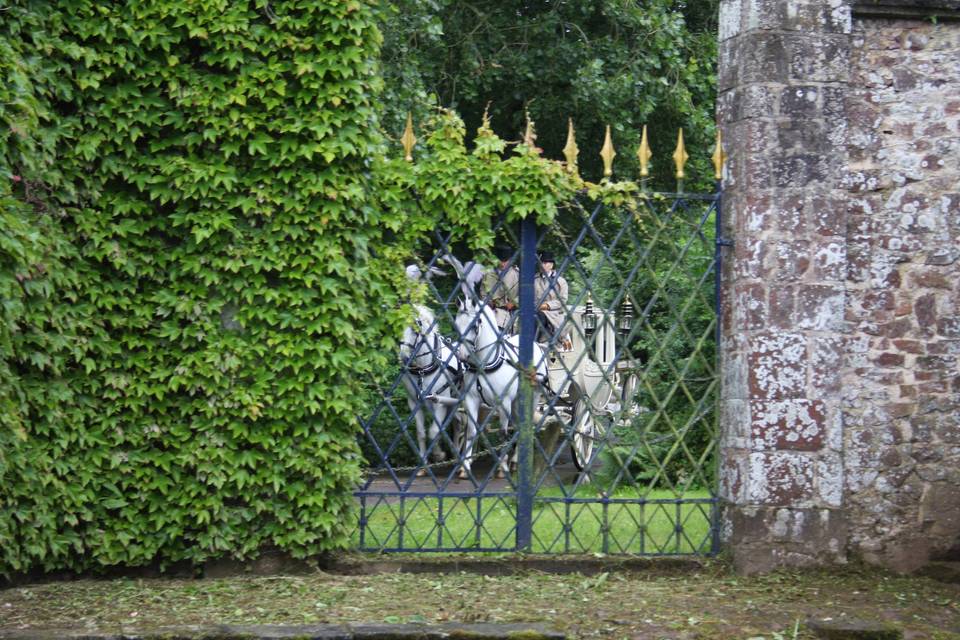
[(599, 62)]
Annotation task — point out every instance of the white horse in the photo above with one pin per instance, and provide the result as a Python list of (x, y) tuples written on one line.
[(492, 363), (431, 375)]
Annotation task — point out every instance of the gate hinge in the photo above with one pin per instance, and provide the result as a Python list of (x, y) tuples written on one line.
[(724, 242)]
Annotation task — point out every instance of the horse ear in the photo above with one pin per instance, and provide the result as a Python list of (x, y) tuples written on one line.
[(456, 264), (467, 292)]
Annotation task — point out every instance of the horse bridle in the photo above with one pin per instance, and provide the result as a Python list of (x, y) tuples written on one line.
[(414, 348), (474, 327)]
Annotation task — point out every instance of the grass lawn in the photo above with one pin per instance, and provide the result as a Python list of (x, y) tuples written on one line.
[(660, 525), (707, 603)]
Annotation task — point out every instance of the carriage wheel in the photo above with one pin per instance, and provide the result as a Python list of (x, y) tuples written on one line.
[(583, 435)]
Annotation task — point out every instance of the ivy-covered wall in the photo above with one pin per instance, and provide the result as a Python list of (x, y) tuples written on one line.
[(186, 267), (201, 252)]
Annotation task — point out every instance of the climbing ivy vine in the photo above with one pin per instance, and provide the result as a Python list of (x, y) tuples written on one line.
[(188, 263)]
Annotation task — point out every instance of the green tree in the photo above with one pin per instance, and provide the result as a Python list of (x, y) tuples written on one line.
[(615, 62)]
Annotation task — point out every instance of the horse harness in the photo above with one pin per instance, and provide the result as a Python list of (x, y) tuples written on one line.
[(495, 366), (435, 364)]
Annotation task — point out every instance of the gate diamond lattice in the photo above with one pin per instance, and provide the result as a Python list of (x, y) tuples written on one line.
[(610, 394)]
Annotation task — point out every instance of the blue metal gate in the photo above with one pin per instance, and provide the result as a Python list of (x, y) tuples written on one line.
[(610, 369)]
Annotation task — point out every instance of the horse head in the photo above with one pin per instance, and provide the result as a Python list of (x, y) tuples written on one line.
[(476, 327), (416, 334), (466, 325)]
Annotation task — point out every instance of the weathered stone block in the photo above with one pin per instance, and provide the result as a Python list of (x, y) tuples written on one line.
[(925, 310), (820, 308), (875, 301), (777, 366), (942, 256), (896, 328), (859, 255), (747, 102), (748, 171), (788, 424), (800, 102), (949, 327), (728, 56), (830, 477), (733, 375), (936, 363), (827, 356), (783, 479), (829, 261), (755, 215), (800, 170), (852, 629), (731, 12), (797, 15), (734, 471), (763, 58), (943, 347), (765, 538), (889, 360), (828, 215), (750, 306), (817, 58), (792, 261), (807, 135), (749, 259), (932, 279), (781, 303), (735, 414)]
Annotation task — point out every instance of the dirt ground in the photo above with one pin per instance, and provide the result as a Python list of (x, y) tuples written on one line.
[(709, 602)]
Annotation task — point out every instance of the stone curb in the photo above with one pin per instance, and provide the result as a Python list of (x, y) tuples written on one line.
[(449, 631), (279, 564), (948, 572), (514, 566), (852, 629)]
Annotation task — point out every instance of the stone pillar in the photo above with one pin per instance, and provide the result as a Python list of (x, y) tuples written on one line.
[(783, 76), (840, 339)]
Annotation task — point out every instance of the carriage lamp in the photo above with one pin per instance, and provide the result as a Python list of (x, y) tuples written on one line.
[(625, 324), (589, 317)]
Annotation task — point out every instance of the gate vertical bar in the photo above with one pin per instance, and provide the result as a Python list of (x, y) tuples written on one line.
[(528, 327), (719, 244)]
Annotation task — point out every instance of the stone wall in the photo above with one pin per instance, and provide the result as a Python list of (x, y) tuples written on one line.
[(901, 411), (834, 438)]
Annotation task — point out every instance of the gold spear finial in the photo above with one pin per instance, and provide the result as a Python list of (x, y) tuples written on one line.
[(644, 154), (680, 156), (571, 151), (719, 157), (608, 154), (408, 139)]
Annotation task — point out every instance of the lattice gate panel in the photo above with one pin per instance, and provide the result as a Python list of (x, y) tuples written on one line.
[(607, 441)]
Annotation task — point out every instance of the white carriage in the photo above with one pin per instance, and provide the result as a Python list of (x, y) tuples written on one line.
[(594, 382)]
